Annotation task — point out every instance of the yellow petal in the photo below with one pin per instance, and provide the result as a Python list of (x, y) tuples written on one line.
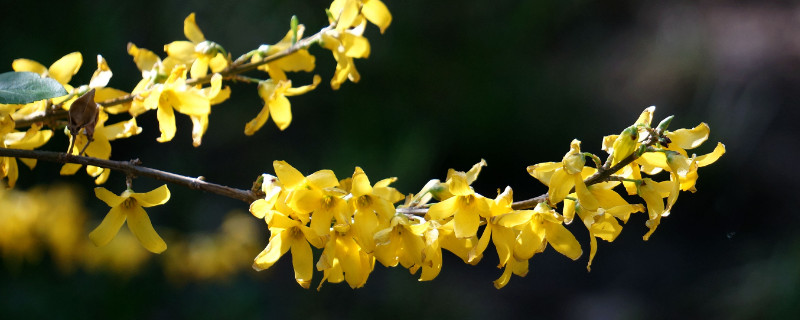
[(155, 197), (253, 125), (466, 223), (218, 62), (140, 225), (361, 184), (107, 229), (191, 30), (560, 185), (504, 240), (281, 111), (166, 123), (302, 261), (190, 102), (111, 199), (145, 59), (476, 253), (562, 240), (365, 223), (355, 46), (515, 218), (377, 13), (323, 179), (443, 209), (689, 138), (63, 69), (102, 75), (303, 89), (530, 240), (183, 51), (586, 199), (199, 67), (122, 129), (27, 65), (304, 201), (259, 208), (647, 116), (279, 244), (712, 157), (288, 176)]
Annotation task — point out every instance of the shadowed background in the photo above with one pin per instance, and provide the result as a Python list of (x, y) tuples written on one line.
[(449, 83)]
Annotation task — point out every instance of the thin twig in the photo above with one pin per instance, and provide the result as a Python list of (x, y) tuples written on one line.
[(132, 168)]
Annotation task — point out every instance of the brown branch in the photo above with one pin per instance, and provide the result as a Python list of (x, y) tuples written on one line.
[(132, 168)]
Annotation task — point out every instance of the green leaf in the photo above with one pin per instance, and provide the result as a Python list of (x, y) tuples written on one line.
[(27, 87)]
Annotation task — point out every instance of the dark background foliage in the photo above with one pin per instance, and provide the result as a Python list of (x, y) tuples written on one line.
[(449, 83)]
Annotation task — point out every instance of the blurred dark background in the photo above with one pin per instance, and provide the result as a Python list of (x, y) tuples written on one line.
[(449, 83)]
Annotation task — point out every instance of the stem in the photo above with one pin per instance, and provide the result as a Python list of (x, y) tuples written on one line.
[(133, 168)]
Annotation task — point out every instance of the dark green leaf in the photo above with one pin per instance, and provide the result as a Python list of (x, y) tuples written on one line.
[(27, 87)]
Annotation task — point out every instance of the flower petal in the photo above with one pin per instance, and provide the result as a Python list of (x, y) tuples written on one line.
[(279, 244), (466, 223), (63, 69), (108, 229), (562, 240), (689, 138), (111, 199), (302, 261), (191, 30), (140, 225), (377, 13), (155, 197), (21, 65)]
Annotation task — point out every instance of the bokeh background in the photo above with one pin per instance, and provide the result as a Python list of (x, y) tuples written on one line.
[(449, 83)]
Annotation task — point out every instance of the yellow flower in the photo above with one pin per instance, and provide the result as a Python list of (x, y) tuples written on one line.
[(465, 206), (400, 243), (274, 95), (300, 60), (343, 259), (315, 194), (562, 176), (371, 206), (197, 53), (175, 95), (128, 206), (28, 140), (285, 234), (100, 146), (345, 45), (350, 13)]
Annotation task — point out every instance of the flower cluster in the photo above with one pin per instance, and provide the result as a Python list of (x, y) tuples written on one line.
[(355, 223), (175, 84)]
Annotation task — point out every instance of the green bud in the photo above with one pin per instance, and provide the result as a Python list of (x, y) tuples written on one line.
[(294, 25), (625, 144), (662, 126)]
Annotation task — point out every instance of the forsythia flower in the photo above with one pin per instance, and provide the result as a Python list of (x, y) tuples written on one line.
[(299, 60), (274, 95), (27, 140), (285, 234), (128, 206), (174, 94), (198, 53), (350, 13), (371, 206), (465, 206)]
